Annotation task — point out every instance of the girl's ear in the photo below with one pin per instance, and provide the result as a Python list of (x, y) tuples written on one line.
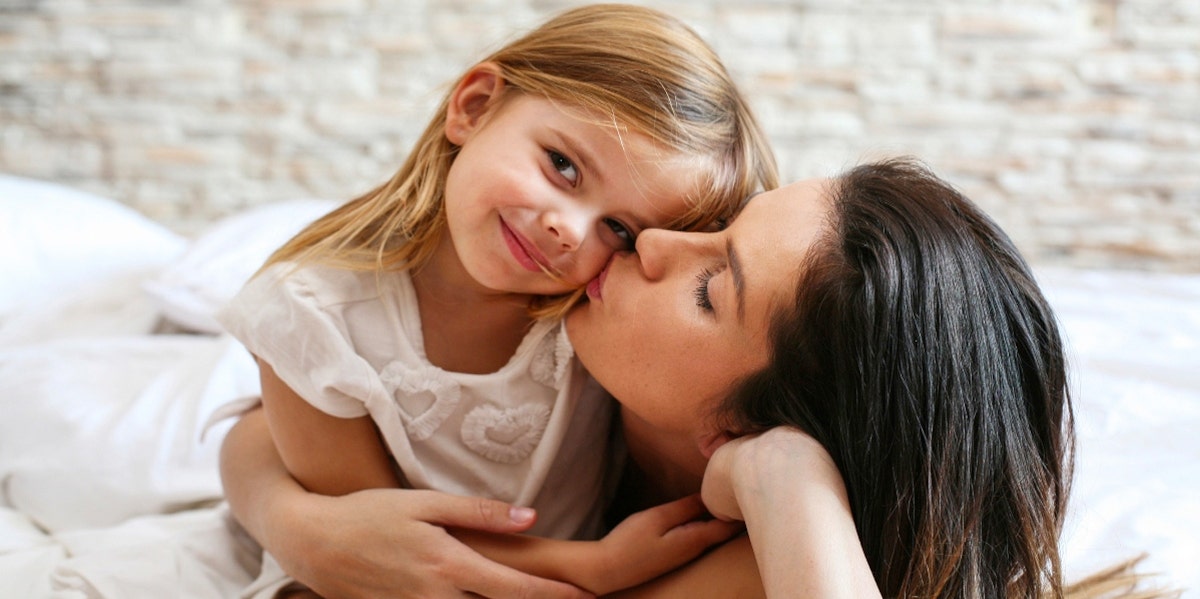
[(476, 93)]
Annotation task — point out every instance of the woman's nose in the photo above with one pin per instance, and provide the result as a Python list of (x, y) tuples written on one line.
[(660, 249), (567, 226)]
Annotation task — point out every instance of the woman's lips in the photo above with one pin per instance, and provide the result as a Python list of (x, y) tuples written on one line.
[(526, 253), (595, 287)]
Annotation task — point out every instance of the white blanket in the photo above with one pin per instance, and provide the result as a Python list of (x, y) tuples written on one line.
[(108, 490)]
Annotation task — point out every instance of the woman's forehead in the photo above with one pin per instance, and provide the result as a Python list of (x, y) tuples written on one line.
[(784, 200)]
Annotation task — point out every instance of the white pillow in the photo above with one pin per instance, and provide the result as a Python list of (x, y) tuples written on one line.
[(97, 430), (112, 307), (191, 289), (54, 238)]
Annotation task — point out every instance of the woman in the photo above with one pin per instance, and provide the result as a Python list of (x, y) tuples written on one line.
[(880, 313)]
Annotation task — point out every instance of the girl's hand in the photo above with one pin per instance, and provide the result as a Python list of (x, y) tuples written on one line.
[(655, 541)]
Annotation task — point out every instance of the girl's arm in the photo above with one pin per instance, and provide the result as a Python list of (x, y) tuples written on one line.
[(325, 454), (643, 547), (787, 489), (372, 543)]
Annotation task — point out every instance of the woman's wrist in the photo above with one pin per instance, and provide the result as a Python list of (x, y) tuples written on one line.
[(269, 504), (798, 516), (283, 513), (293, 530), (780, 467)]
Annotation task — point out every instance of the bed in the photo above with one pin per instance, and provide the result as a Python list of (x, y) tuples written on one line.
[(111, 363)]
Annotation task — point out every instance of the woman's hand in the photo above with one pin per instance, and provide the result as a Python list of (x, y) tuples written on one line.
[(742, 465), (391, 543), (375, 543), (787, 489)]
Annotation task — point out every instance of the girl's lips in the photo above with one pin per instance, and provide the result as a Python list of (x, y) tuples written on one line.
[(526, 253), (595, 287)]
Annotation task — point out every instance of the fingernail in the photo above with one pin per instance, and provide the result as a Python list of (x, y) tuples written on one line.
[(521, 515)]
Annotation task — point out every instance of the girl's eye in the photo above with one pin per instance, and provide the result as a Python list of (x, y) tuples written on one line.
[(701, 291), (625, 237), (563, 165)]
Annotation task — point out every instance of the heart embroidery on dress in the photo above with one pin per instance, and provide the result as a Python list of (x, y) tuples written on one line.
[(505, 435), (553, 356), (408, 384)]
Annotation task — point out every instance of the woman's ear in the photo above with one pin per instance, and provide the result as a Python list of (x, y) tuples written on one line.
[(476, 93)]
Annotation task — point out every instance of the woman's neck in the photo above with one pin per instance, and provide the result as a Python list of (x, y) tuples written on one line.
[(664, 466)]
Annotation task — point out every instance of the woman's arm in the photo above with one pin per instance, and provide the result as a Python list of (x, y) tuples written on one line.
[(377, 541), (383, 542), (787, 489), (726, 571)]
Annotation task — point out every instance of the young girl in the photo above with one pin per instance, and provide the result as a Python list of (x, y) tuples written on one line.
[(412, 337)]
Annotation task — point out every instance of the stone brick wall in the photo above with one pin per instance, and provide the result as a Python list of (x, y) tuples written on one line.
[(1076, 123)]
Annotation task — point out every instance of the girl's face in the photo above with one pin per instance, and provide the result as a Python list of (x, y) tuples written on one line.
[(538, 199), (668, 330)]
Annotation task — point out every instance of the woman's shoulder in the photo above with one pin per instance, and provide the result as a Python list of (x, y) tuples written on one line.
[(729, 570)]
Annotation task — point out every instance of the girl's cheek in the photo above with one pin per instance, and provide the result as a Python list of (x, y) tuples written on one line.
[(589, 259)]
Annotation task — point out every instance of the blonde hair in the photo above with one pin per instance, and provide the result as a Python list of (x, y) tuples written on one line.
[(645, 69)]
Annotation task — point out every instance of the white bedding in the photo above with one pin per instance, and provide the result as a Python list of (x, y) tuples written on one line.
[(108, 489)]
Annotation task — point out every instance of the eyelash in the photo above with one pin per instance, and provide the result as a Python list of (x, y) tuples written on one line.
[(561, 163), (626, 235), (701, 291)]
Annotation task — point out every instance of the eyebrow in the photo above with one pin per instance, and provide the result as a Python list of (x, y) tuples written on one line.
[(579, 153), (739, 281)]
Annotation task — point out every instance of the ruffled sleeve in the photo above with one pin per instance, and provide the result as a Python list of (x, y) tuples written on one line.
[(291, 318)]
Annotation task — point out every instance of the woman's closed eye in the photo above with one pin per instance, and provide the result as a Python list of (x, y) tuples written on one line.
[(701, 291), (564, 167)]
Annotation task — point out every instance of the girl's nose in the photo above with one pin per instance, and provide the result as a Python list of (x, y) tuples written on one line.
[(660, 249), (568, 226)]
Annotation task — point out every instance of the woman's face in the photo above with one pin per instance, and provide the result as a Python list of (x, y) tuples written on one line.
[(669, 330)]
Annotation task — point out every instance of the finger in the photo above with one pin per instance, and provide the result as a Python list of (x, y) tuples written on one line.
[(490, 579), (680, 511), (476, 513), (704, 533), (683, 543)]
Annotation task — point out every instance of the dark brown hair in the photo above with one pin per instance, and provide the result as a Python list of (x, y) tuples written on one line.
[(921, 354)]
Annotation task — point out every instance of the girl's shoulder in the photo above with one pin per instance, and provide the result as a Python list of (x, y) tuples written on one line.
[(327, 285)]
